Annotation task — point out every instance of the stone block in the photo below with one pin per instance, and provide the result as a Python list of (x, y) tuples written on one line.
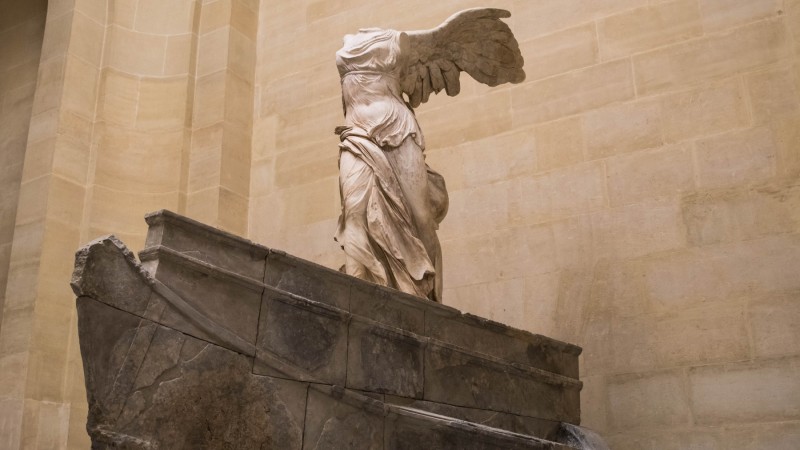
[(558, 194), (777, 436), (180, 373), (623, 128), (218, 248), (209, 99), (86, 39), (501, 341), (650, 399), (408, 429), (460, 378), (104, 269), (11, 413), (341, 419), (775, 324), (468, 119), (155, 17), (135, 53), (530, 426), (712, 333), (385, 360), (774, 93), (754, 266), (560, 52), (559, 143), (764, 390), (387, 307), (674, 439), (301, 339), (327, 286), (649, 27), (737, 158), (638, 229), (714, 56), (525, 251), (641, 176), (572, 93), (551, 15), (179, 54), (118, 98), (741, 214), (474, 210), (512, 155), (204, 301), (162, 104), (704, 111), (722, 14)]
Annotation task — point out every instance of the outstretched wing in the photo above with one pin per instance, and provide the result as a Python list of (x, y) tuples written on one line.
[(475, 41)]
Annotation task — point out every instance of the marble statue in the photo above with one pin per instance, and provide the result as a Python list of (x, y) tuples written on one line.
[(392, 202)]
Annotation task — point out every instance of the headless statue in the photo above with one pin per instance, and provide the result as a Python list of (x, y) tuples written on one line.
[(392, 202)]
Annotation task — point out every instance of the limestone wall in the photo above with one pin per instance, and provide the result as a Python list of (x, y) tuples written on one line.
[(139, 105), (638, 195), (21, 33)]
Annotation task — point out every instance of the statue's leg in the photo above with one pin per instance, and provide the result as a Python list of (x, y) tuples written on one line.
[(408, 163), (355, 181)]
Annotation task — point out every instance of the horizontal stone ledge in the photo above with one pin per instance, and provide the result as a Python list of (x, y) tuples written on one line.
[(159, 252)]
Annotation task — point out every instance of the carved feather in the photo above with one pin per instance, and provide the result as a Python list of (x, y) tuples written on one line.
[(475, 41)]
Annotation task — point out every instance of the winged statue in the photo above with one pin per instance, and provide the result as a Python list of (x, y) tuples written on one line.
[(392, 201)]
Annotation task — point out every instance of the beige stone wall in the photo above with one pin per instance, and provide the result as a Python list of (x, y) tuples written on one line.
[(638, 195), (139, 105), (21, 34)]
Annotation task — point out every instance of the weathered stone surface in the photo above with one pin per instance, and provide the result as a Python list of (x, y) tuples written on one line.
[(496, 339), (192, 353), (287, 273), (408, 429), (515, 423), (301, 339), (341, 420), (460, 378), (381, 359), (153, 387)]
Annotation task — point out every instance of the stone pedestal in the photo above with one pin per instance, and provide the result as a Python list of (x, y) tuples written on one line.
[(213, 341)]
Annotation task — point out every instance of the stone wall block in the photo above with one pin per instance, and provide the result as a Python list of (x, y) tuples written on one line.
[(640, 176), (458, 378), (560, 52), (572, 93), (339, 419), (623, 128), (648, 27), (385, 360), (302, 340), (638, 229), (388, 307), (704, 111), (558, 194), (774, 93), (648, 399), (493, 338), (746, 392), (705, 334), (714, 56), (741, 214), (736, 159), (775, 324), (559, 143), (725, 14), (327, 286)]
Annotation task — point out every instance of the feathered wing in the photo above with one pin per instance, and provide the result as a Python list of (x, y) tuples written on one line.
[(475, 41)]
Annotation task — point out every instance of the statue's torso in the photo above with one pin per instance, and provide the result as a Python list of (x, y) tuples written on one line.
[(370, 65)]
